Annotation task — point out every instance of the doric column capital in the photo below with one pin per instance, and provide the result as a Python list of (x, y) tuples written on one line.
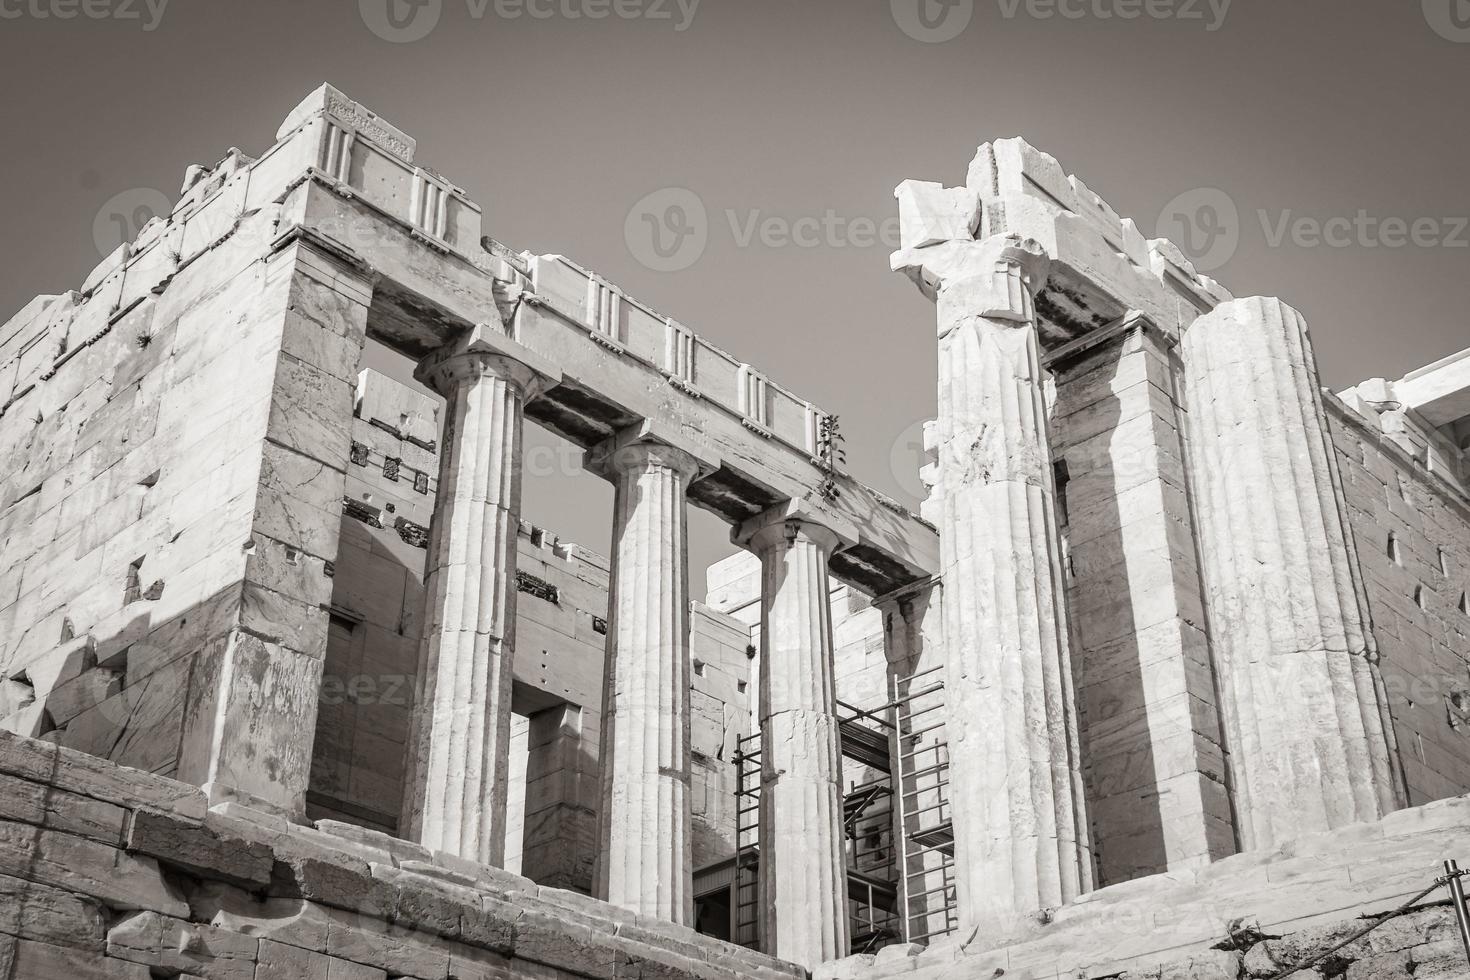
[(996, 277), (792, 522), (642, 446), (483, 351)]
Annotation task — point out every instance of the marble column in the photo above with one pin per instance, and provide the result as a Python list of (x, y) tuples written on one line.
[(459, 746), (645, 857), (1015, 781), (1305, 732), (803, 870)]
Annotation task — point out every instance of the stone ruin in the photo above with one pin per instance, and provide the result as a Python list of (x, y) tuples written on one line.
[(1168, 678)]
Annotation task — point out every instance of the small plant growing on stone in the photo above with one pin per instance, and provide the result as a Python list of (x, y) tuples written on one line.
[(831, 455)]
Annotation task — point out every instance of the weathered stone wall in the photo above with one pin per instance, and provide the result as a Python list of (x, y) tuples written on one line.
[(1150, 731), (1416, 587), (114, 874), (170, 441)]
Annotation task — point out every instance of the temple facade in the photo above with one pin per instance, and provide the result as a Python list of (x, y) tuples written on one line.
[(1169, 675)]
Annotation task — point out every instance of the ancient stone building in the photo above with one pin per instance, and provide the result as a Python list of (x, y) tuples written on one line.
[(1170, 677)]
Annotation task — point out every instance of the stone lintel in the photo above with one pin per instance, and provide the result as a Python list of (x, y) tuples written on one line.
[(310, 253), (1133, 321)]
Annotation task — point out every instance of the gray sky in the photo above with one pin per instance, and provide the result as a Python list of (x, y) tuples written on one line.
[(774, 111)]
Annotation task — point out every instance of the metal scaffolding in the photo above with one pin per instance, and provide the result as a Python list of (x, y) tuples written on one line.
[(899, 843)]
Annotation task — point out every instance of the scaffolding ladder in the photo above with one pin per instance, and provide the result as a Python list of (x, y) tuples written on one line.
[(747, 841), (926, 833)]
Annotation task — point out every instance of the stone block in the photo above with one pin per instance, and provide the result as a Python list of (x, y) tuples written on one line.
[(399, 951), (204, 850), (248, 726), (82, 694), (172, 944), (57, 809), (468, 963), (311, 412), (930, 213), (300, 500), (31, 721), (114, 877), (280, 962), (65, 663), (45, 914), (293, 922), (43, 961), (139, 726), (566, 944)]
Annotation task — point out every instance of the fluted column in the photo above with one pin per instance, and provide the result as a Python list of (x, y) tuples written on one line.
[(645, 861), (459, 745), (1015, 782), (1305, 731), (803, 872)]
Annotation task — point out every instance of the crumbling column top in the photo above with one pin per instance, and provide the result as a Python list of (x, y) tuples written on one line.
[(937, 266)]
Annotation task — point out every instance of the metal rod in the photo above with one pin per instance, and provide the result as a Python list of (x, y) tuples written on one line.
[(1457, 892)]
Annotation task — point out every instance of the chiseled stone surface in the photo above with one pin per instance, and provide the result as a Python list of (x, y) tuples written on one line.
[(645, 853), (460, 742), (1304, 720), (1015, 780), (803, 880)]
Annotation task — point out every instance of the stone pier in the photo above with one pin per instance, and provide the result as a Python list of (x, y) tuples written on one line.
[(1298, 669), (459, 746), (1015, 782), (803, 877), (644, 859)]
